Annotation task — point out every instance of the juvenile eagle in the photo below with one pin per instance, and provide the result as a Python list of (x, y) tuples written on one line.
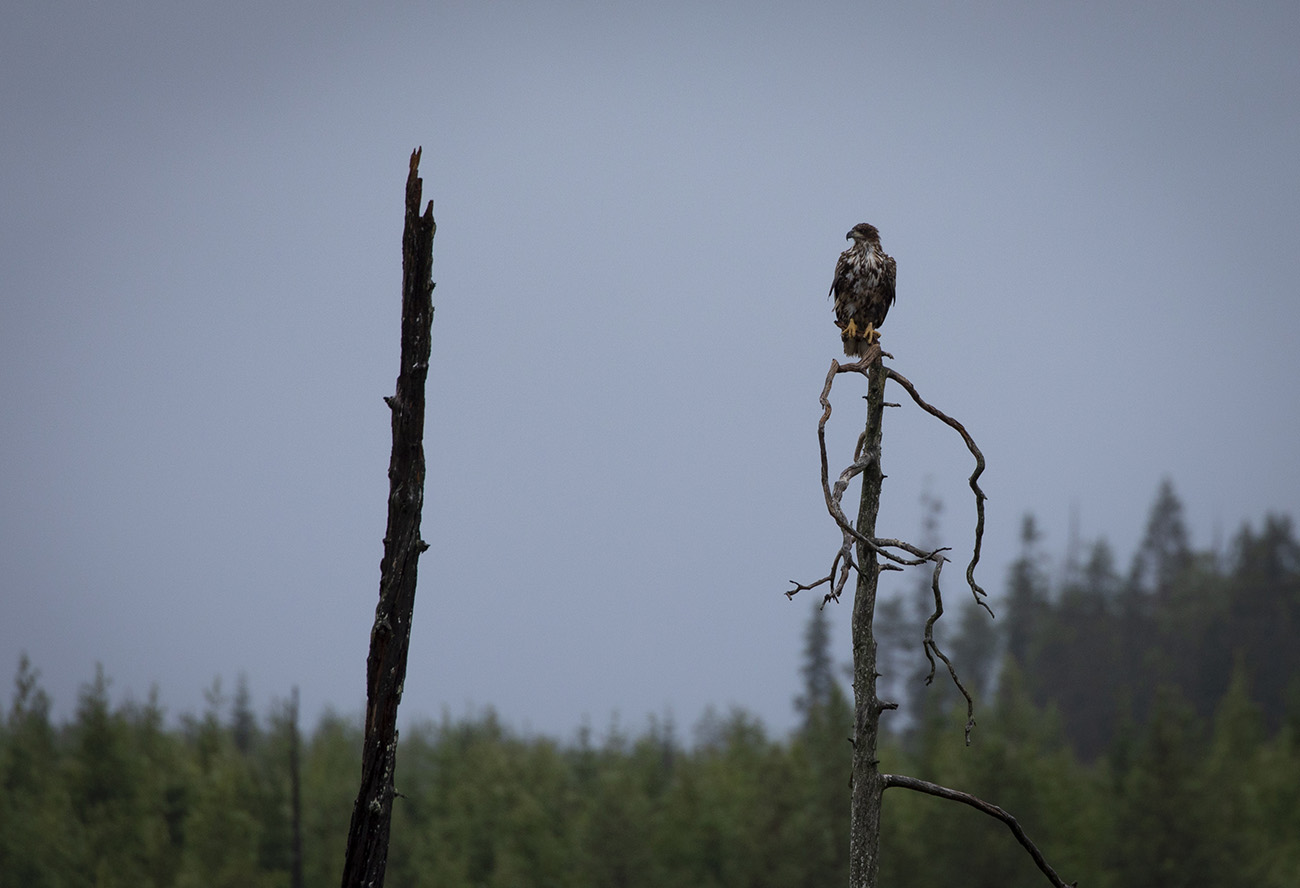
[(863, 290)]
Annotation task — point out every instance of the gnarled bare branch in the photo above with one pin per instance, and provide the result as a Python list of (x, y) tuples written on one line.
[(975, 588), (954, 795), (867, 781), (834, 496), (843, 560), (931, 647)]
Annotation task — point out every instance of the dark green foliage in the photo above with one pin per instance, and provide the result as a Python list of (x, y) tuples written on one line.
[(820, 763), (120, 806), (331, 765), (1148, 733), (1026, 595), (35, 812), (1262, 619), (116, 797), (1165, 553), (1076, 656), (1100, 649)]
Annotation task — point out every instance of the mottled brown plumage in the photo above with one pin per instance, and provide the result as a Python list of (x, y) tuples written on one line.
[(863, 290)]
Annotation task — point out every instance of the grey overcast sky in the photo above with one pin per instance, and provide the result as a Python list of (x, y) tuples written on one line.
[(1095, 210)]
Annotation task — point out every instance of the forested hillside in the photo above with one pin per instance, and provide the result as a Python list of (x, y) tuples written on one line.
[(1143, 725), (1096, 643)]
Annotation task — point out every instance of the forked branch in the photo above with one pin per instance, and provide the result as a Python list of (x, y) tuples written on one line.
[(834, 495), (861, 551), (843, 562), (931, 648)]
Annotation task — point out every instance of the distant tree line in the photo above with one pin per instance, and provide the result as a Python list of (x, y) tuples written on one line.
[(1099, 647), (1145, 726)]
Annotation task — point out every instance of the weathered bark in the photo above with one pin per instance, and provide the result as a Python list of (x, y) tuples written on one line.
[(367, 850), (864, 841)]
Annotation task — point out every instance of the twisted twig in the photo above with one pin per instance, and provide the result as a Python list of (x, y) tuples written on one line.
[(975, 588), (931, 647), (834, 495), (843, 561)]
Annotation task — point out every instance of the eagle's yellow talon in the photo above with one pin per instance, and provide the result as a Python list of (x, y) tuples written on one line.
[(851, 329)]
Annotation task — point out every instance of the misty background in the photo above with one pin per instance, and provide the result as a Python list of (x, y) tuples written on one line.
[(1094, 212)]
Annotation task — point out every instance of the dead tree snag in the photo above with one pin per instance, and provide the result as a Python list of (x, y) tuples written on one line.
[(367, 851), (867, 554)]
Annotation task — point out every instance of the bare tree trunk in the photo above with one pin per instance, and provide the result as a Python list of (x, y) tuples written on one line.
[(868, 787), (295, 795), (367, 851)]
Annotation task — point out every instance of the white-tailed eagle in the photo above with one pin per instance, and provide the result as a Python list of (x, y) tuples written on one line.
[(863, 290)]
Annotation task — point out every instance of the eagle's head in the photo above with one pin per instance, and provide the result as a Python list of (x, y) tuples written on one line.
[(863, 233)]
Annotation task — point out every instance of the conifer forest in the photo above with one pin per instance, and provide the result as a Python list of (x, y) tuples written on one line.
[(1142, 720)]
